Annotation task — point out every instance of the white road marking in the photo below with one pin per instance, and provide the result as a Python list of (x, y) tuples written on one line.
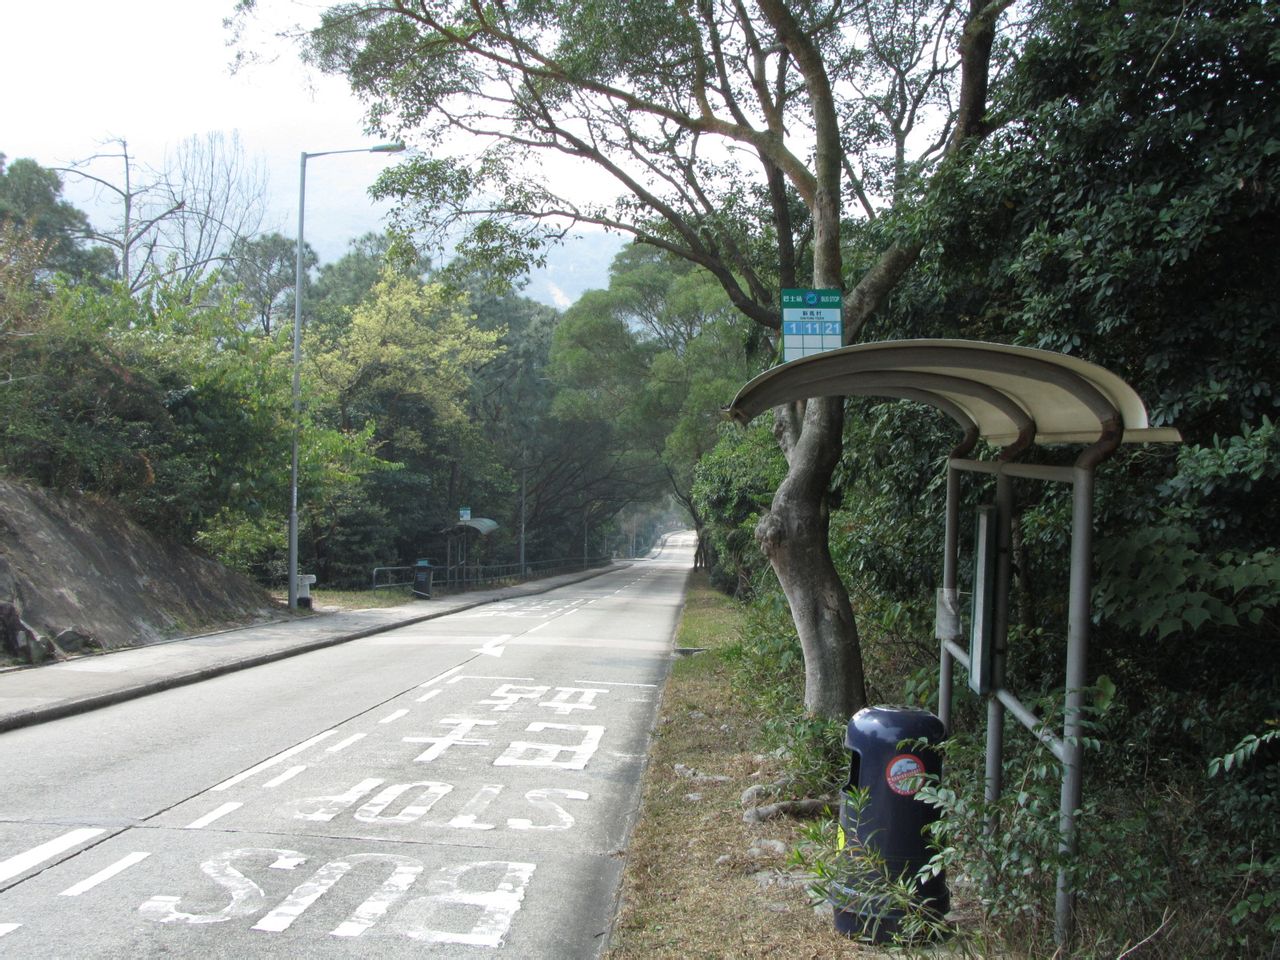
[(475, 676), (462, 726), (343, 744), (124, 863), (538, 627), (526, 753), (395, 715), (615, 683), (287, 775), (493, 648), (440, 676), (8, 928), (208, 818), (51, 848), (272, 761), (569, 699), (428, 695)]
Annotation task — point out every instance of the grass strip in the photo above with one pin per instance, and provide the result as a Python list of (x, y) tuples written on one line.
[(700, 882)]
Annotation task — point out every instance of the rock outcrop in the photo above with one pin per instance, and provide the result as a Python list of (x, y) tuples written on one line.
[(77, 575)]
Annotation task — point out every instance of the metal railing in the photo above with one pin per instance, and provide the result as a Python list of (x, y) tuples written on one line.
[(470, 576)]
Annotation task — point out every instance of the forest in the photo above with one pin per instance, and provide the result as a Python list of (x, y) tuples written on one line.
[(1097, 179)]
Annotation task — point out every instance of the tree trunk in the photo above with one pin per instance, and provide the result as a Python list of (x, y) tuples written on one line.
[(794, 535)]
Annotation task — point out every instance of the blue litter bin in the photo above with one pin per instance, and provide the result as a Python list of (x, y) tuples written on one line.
[(892, 822)]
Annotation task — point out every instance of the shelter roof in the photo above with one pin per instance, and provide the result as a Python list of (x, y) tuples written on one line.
[(482, 525), (1006, 393)]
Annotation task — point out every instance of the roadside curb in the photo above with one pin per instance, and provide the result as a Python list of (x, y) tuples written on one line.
[(68, 708)]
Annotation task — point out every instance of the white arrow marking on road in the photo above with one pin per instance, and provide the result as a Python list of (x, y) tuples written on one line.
[(8, 928), (25, 861), (124, 863), (494, 647)]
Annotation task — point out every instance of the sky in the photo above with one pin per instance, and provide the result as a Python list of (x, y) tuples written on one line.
[(81, 73)]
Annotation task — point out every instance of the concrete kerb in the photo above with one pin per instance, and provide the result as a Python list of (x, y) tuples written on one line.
[(68, 708)]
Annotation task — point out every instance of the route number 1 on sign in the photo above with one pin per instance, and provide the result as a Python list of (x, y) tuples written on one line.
[(812, 323)]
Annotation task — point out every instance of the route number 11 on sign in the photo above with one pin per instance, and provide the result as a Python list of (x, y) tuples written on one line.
[(811, 323)]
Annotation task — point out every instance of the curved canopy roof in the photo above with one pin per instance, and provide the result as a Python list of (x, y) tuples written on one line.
[(481, 525), (1004, 393)]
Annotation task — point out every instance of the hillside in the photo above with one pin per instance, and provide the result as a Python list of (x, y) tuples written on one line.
[(78, 570)]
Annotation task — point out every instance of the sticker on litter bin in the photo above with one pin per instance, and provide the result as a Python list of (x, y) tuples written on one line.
[(905, 774)]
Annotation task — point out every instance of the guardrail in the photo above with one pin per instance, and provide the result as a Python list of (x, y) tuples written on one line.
[(467, 577)]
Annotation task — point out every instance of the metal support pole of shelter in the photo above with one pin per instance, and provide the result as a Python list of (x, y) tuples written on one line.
[(1069, 749)]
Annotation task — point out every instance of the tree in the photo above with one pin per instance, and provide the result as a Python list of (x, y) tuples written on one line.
[(265, 269), (31, 199), (654, 353), (713, 119), (178, 222)]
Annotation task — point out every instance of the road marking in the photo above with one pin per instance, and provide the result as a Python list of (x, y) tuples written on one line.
[(343, 744), (527, 753), (272, 761), (124, 863), (540, 626), (287, 775), (25, 861), (493, 648), (208, 818), (8, 928), (440, 676), (475, 676), (616, 683), (462, 726), (396, 715)]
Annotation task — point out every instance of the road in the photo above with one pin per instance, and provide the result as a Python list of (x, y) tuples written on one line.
[(454, 788)]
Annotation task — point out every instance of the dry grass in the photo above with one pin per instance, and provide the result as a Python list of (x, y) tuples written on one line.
[(691, 887)]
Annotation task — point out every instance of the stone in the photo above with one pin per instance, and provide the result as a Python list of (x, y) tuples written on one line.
[(763, 848), (75, 640)]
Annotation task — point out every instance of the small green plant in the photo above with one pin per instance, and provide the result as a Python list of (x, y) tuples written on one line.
[(855, 880)]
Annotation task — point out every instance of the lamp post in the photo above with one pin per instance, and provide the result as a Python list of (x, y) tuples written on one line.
[(297, 358)]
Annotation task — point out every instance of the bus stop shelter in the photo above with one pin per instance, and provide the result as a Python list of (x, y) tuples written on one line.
[(1014, 398)]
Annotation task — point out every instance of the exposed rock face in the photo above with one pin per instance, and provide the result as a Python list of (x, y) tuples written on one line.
[(78, 569)]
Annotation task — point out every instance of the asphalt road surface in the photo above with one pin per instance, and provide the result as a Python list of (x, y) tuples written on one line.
[(462, 787)]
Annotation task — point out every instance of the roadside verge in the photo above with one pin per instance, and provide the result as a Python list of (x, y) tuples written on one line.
[(699, 881)]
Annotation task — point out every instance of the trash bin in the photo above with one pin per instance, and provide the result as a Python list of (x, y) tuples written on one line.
[(891, 823), (422, 574), (305, 581)]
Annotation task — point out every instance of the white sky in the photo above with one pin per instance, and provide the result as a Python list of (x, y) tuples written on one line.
[(155, 72)]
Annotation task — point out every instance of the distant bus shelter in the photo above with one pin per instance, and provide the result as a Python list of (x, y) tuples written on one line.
[(1014, 398), (460, 561)]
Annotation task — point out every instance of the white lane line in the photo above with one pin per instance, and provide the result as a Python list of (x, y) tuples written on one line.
[(8, 928), (102, 876), (615, 683), (208, 818), (287, 775), (538, 627), (477, 676), (272, 761), (429, 694), (343, 744), (51, 848), (440, 676), (393, 716)]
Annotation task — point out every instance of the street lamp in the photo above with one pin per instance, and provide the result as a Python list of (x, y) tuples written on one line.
[(297, 358)]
